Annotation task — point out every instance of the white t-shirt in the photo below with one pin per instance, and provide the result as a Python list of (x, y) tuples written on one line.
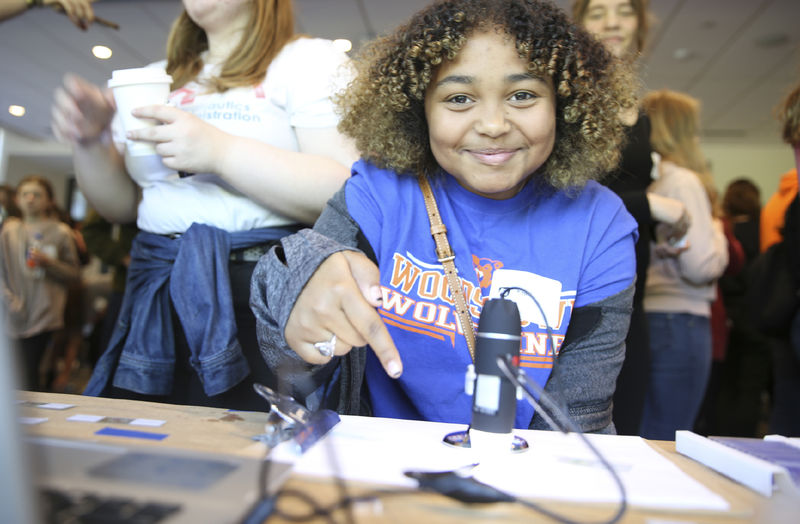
[(296, 92)]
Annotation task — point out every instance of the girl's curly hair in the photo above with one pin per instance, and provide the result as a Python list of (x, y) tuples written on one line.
[(383, 107)]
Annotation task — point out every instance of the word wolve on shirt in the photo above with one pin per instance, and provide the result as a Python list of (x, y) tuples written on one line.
[(418, 300)]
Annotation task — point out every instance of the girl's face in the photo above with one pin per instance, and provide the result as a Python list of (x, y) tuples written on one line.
[(614, 23), (32, 200), (491, 123)]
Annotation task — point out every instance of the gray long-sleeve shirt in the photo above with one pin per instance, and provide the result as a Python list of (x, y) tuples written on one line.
[(583, 379)]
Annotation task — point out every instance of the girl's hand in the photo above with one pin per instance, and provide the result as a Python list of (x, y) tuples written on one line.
[(39, 257), (81, 111), (340, 299), (185, 142), (670, 241)]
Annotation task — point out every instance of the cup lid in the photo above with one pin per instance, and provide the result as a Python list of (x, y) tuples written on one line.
[(139, 75)]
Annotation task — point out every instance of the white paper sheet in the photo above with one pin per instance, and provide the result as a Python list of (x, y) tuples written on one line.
[(556, 466), (80, 417)]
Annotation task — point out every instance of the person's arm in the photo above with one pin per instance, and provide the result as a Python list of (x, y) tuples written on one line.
[(291, 270), (80, 12), (294, 184), (65, 266), (104, 181), (584, 376), (81, 116), (707, 254), (11, 8), (14, 303), (669, 211)]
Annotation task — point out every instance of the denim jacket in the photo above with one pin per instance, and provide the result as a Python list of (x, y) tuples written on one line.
[(192, 272)]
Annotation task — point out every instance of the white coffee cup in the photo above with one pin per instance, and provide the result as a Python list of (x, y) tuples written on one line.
[(136, 88)]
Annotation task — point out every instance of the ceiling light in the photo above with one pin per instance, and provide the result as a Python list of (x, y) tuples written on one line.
[(16, 110), (343, 45), (102, 52), (683, 53)]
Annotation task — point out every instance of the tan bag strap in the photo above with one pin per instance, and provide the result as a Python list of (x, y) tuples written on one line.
[(447, 258)]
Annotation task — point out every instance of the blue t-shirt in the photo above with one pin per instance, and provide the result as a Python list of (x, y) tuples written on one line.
[(566, 251)]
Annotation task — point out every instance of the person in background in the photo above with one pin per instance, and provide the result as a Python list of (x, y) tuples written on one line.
[(38, 261), (111, 244), (247, 151), (8, 204), (709, 418), (622, 27), (774, 211), (68, 341), (785, 415), (80, 12), (745, 374), (680, 286), (508, 113)]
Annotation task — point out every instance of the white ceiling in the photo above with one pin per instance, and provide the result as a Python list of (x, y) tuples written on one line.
[(740, 56)]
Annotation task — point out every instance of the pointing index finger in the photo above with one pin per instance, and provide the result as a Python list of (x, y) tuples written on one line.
[(369, 324)]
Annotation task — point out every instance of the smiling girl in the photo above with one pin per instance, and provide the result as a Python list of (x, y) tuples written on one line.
[(508, 111)]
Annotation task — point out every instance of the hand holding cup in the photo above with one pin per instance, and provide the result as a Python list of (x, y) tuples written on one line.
[(135, 88)]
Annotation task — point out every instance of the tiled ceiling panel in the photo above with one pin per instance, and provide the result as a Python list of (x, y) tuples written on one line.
[(738, 56)]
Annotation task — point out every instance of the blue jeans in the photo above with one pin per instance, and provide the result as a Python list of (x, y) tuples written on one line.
[(680, 345)]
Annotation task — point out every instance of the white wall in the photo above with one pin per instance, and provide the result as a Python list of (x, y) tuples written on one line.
[(21, 156), (763, 163)]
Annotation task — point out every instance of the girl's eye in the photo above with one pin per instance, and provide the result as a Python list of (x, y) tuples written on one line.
[(595, 14), (521, 96), (458, 99)]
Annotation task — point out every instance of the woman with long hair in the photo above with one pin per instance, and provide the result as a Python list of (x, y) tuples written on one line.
[(247, 152), (680, 287), (622, 26), (38, 261)]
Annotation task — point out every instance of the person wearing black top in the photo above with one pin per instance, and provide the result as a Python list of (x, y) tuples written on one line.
[(621, 25)]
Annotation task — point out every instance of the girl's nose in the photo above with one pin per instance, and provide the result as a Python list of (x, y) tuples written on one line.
[(493, 122)]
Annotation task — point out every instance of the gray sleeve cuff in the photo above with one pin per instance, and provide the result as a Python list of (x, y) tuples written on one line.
[(282, 273), (584, 375)]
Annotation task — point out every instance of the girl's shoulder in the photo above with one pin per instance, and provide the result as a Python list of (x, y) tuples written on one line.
[(309, 66), (10, 226), (673, 170), (309, 54), (366, 171), (370, 182), (307, 45), (13, 222)]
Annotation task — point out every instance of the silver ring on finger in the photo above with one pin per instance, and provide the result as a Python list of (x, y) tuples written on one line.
[(327, 347)]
